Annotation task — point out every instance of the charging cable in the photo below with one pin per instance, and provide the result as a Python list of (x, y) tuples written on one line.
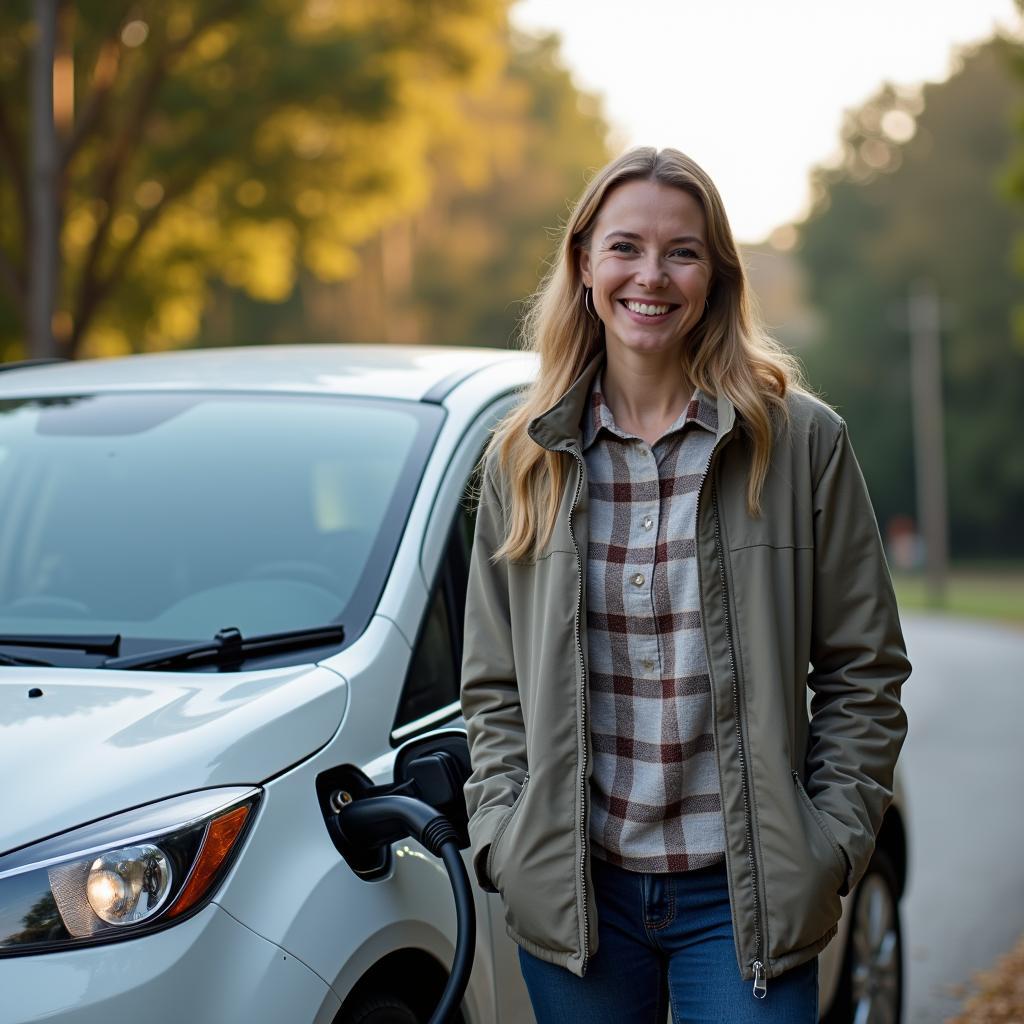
[(378, 821)]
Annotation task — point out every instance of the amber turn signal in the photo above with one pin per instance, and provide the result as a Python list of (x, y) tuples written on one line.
[(220, 837)]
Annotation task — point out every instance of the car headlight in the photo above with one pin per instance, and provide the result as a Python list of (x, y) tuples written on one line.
[(124, 875)]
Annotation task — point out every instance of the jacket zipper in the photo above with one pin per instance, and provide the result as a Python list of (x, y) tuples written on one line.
[(760, 981), (583, 715)]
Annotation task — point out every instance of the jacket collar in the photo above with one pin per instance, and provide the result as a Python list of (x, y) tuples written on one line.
[(560, 427)]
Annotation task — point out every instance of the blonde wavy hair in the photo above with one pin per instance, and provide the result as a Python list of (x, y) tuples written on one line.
[(727, 352)]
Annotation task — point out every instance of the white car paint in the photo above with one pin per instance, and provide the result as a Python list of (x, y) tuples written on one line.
[(112, 740), (386, 371), (175, 975)]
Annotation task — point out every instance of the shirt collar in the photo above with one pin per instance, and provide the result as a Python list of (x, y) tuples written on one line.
[(560, 427), (701, 409)]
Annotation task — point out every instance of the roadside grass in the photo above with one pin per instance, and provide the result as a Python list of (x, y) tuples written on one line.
[(989, 592)]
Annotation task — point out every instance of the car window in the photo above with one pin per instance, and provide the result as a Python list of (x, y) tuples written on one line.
[(433, 679), (170, 516), (432, 683)]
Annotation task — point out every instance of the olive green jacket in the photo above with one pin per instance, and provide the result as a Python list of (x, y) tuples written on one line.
[(798, 597)]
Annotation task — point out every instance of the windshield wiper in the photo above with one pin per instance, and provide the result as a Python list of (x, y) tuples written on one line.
[(10, 659), (89, 644), (104, 643), (229, 647)]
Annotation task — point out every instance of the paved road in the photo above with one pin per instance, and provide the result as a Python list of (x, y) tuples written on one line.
[(963, 765)]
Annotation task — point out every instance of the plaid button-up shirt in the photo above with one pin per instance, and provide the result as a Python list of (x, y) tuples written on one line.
[(655, 798)]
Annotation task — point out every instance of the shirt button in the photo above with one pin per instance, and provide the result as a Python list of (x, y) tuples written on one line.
[(637, 580), (648, 522), (647, 664)]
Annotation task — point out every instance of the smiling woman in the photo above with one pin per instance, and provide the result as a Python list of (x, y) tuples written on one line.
[(649, 272), (651, 228), (670, 530)]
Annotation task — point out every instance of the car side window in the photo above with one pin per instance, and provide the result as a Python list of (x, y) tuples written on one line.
[(433, 679), (432, 683)]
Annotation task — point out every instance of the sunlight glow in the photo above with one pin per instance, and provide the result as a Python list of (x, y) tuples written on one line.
[(755, 91)]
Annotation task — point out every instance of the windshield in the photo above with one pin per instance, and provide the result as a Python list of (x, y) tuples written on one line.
[(170, 516)]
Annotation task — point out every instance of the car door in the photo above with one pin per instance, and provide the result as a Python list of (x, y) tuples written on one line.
[(430, 696)]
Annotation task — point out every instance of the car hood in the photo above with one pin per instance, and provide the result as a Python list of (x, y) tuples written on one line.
[(98, 742)]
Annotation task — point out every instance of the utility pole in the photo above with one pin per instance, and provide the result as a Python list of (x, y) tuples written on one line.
[(929, 435), (42, 242)]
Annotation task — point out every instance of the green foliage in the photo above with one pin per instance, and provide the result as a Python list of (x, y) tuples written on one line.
[(231, 140), (1014, 183), (475, 293), (932, 206), (456, 271)]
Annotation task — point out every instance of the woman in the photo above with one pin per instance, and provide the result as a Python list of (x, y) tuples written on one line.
[(670, 531)]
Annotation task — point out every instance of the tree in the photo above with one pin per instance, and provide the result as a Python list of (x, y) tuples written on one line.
[(1015, 182), (482, 252), (919, 194), (456, 270), (225, 139)]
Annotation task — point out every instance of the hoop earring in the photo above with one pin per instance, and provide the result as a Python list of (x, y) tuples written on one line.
[(588, 305)]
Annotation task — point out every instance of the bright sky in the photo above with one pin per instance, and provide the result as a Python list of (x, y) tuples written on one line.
[(754, 90)]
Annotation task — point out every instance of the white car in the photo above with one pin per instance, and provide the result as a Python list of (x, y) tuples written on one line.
[(171, 760)]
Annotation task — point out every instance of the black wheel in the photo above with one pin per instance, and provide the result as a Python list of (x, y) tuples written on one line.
[(870, 987), (379, 1008)]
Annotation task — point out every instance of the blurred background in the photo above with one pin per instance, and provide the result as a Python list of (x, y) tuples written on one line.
[(226, 172)]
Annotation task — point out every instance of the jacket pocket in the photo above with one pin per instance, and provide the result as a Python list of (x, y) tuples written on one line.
[(837, 850), (535, 863), (801, 867), (492, 862)]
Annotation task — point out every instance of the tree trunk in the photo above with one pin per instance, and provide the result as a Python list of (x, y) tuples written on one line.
[(43, 258)]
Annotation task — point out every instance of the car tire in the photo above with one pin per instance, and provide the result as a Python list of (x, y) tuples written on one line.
[(870, 989), (379, 1008)]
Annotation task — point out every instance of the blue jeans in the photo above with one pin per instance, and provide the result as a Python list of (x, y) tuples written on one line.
[(665, 940)]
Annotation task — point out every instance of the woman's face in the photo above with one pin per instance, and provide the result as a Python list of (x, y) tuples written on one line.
[(648, 265)]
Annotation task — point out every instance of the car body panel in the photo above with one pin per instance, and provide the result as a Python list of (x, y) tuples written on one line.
[(315, 893), (331, 919), (392, 371), (142, 980), (129, 738)]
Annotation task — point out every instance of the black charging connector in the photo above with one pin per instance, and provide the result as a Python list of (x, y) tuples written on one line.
[(383, 819), (366, 824), (434, 777)]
